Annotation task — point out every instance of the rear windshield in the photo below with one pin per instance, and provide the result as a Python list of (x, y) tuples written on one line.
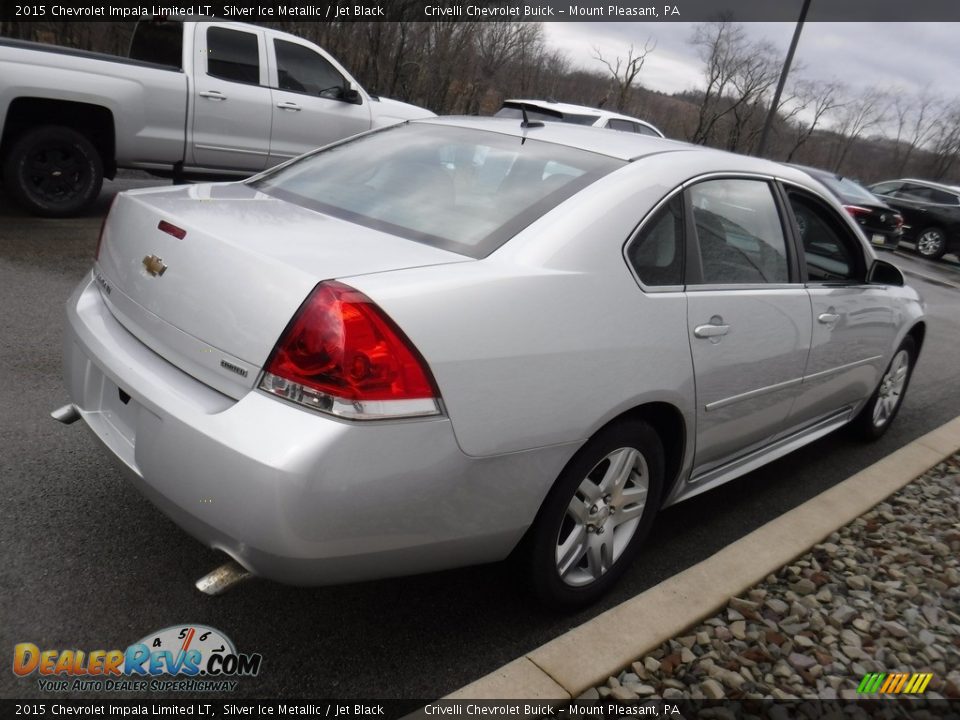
[(459, 189), (848, 190)]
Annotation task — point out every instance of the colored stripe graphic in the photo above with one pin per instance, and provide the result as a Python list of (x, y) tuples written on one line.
[(894, 683)]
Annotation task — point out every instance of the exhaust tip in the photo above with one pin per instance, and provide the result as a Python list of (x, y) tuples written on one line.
[(223, 578), (67, 414)]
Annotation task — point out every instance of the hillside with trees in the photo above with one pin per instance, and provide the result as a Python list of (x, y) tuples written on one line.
[(470, 67)]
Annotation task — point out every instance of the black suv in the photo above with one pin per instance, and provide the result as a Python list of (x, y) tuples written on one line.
[(931, 213)]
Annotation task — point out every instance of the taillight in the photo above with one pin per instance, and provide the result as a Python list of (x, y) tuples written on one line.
[(342, 355), (856, 210), (898, 220), (103, 225)]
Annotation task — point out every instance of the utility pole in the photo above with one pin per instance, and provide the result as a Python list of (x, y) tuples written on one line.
[(783, 79)]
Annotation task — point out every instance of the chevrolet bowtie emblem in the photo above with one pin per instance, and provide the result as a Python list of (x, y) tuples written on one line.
[(154, 265)]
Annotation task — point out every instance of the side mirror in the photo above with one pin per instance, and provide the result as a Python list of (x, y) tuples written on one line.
[(351, 95), (884, 273)]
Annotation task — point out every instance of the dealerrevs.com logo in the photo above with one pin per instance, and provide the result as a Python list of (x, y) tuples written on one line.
[(185, 658)]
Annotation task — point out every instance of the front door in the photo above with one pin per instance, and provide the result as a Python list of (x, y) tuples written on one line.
[(853, 327), (309, 109)]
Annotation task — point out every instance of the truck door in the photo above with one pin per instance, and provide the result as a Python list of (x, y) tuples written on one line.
[(310, 103), (231, 100)]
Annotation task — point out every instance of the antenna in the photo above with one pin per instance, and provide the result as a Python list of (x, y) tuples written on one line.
[(526, 121)]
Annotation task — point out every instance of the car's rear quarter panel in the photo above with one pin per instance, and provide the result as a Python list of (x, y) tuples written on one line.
[(550, 337)]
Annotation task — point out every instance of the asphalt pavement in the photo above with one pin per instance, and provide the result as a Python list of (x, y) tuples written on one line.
[(86, 562)]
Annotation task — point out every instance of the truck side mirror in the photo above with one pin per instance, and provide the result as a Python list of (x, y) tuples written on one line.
[(351, 95)]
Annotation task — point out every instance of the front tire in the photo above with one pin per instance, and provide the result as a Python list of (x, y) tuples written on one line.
[(597, 515), (932, 243), (878, 414), (53, 171)]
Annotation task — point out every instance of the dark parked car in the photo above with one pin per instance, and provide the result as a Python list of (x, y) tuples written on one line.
[(882, 224), (931, 213)]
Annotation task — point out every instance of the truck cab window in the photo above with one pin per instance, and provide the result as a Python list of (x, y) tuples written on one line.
[(233, 55), (159, 42), (301, 70)]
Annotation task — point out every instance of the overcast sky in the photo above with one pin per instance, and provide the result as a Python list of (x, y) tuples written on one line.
[(891, 55)]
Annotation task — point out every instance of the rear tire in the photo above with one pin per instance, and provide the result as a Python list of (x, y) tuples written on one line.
[(595, 518), (53, 171), (932, 243), (878, 414)]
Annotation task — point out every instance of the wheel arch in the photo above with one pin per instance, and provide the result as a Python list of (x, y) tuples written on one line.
[(95, 122), (918, 332), (669, 423)]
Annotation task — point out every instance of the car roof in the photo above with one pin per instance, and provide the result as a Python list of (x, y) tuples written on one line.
[(628, 147), (928, 183)]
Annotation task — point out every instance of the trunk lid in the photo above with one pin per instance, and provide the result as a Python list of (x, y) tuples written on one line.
[(232, 283)]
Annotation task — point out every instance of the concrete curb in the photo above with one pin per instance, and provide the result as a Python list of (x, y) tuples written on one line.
[(587, 655)]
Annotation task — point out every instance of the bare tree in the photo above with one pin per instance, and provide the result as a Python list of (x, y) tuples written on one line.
[(916, 118), (738, 73), (817, 100), (624, 72), (945, 142), (858, 115)]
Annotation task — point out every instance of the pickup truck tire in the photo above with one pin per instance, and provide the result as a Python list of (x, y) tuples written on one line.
[(53, 171)]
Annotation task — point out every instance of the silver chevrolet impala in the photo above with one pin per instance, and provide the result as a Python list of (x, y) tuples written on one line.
[(441, 343)]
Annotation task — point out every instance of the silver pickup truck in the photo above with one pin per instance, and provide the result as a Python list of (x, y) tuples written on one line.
[(191, 99)]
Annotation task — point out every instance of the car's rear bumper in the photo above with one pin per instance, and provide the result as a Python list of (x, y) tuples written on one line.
[(290, 494)]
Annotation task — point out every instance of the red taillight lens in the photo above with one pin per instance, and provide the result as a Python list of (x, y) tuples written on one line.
[(898, 220), (856, 210), (103, 226), (342, 355)]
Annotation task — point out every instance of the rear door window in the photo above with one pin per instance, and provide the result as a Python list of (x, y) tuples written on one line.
[(233, 55), (739, 232)]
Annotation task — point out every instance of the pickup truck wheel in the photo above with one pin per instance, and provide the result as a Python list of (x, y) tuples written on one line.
[(53, 171)]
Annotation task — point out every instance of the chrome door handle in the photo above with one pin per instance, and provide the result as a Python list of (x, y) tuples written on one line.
[(289, 106), (212, 95), (828, 318), (710, 331)]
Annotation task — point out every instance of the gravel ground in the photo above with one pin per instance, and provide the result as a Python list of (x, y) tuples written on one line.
[(882, 594)]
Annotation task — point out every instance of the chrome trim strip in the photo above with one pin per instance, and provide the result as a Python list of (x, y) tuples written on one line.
[(840, 368), (233, 150), (717, 404)]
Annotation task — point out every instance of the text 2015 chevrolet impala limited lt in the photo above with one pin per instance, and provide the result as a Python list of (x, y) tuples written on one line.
[(440, 343)]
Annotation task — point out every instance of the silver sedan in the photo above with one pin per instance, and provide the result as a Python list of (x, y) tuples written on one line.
[(449, 341)]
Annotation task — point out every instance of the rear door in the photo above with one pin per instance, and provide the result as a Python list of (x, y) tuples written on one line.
[(308, 105), (232, 104), (853, 328), (748, 317)]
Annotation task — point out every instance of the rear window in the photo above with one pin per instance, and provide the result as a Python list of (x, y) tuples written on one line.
[(464, 190), (159, 42), (847, 190)]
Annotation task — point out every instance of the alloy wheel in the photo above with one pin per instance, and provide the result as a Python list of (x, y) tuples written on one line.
[(602, 516), (891, 388), (930, 243)]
